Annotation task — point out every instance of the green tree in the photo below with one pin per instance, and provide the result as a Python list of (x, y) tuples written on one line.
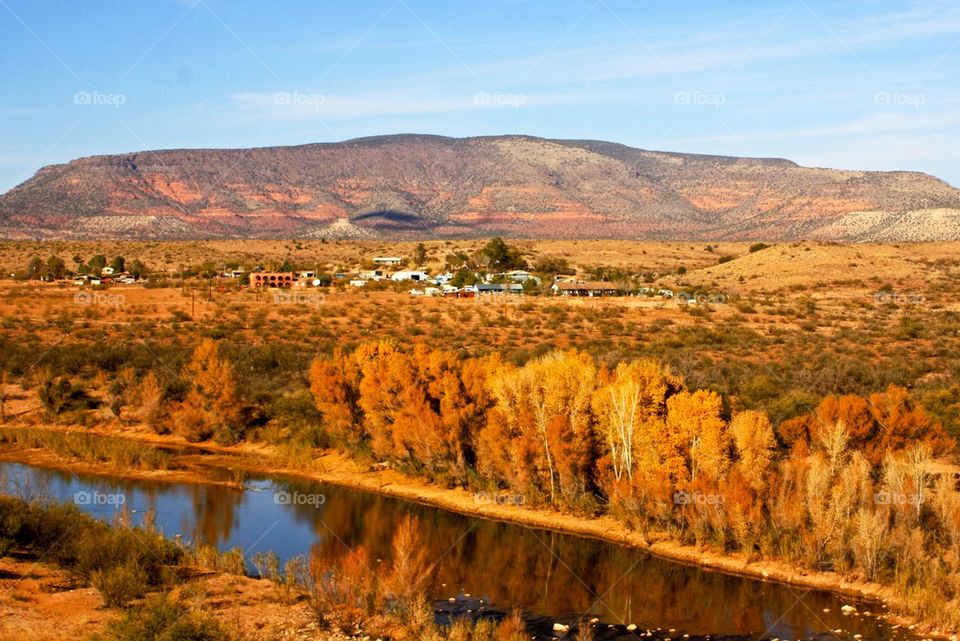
[(137, 268), (420, 255), (500, 255), (463, 278), (118, 264), (97, 263), (35, 269), (56, 268), (457, 260)]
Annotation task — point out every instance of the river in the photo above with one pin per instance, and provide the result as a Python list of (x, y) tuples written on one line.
[(553, 575)]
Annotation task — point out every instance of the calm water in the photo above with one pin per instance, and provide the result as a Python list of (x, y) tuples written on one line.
[(542, 572)]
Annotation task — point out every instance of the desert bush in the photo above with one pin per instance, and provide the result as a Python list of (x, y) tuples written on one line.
[(121, 562), (150, 396), (511, 628), (210, 558), (163, 618), (119, 584), (58, 395), (345, 594)]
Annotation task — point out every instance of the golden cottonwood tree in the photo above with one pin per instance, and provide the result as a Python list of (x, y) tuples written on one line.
[(335, 383), (697, 438), (884, 422), (543, 409), (424, 408), (629, 408), (212, 406), (755, 444)]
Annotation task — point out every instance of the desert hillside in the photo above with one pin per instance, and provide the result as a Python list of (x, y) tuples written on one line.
[(416, 186)]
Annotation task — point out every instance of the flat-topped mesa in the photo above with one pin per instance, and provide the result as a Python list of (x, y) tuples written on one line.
[(420, 186)]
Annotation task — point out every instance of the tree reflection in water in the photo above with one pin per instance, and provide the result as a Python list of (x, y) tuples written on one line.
[(543, 572)]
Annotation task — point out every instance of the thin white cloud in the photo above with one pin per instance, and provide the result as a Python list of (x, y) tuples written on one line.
[(300, 105), (882, 123)]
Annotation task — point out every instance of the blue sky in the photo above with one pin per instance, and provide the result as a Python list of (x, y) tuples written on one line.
[(858, 85)]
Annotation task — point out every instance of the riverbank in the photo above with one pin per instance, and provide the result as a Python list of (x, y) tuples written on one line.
[(40, 602), (331, 467)]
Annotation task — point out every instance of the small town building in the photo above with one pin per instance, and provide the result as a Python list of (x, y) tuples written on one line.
[(410, 274), (497, 288), (271, 279), (588, 288), (387, 260), (521, 276)]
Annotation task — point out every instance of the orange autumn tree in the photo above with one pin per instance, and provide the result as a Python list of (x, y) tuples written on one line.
[(755, 445), (539, 436), (424, 408), (748, 484), (697, 439), (876, 425), (630, 408), (212, 406), (335, 386)]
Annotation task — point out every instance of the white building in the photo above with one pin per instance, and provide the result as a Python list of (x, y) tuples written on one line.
[(387, 260), (410, 274), (520, 276), (371, 274)]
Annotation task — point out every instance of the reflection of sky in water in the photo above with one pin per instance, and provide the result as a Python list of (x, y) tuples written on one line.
[(220, 516), (512, 565)]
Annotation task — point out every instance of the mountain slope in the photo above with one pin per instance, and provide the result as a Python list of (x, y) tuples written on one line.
[(409, 186)]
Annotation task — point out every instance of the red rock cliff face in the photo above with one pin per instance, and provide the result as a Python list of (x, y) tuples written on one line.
[(422, 186)]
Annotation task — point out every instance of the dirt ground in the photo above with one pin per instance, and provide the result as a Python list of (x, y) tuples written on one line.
[(41, 603)]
